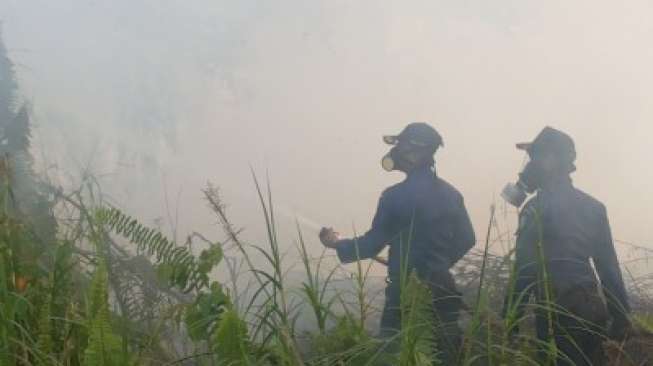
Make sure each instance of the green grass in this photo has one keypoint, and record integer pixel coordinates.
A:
(90, 298)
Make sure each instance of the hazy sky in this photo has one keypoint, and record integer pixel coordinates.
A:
(171, 94)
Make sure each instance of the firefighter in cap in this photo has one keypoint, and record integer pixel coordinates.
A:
(424, 223)
(560, 229)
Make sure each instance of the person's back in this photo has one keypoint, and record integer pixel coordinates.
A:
(427, 214)
(570, 224)
(560, 230)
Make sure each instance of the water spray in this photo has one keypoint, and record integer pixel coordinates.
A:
(313, 225)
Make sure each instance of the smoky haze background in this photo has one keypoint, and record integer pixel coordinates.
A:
(157, 97)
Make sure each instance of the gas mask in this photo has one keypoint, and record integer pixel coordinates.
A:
(388, 162)
(516, 193)
(401, 157)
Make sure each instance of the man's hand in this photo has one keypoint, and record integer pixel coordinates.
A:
(329, 237)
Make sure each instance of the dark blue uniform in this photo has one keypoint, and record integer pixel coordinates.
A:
(560, 230)
(422, 219)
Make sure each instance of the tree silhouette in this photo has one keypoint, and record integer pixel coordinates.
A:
(30, 201)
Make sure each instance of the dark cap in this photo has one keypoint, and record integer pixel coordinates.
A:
(418, 134)
(552, 141)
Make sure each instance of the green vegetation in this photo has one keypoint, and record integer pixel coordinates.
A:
(82, 283)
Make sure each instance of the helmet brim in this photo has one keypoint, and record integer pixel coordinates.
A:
(526, 146)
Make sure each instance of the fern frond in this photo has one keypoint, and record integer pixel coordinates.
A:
(45, 342)
(104, 346)
(99, 297)
(183, 269)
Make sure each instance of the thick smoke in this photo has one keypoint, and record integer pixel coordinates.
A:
(157, 97)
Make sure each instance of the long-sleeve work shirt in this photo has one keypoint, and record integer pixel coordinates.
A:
(424, 222)
(560, 230)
